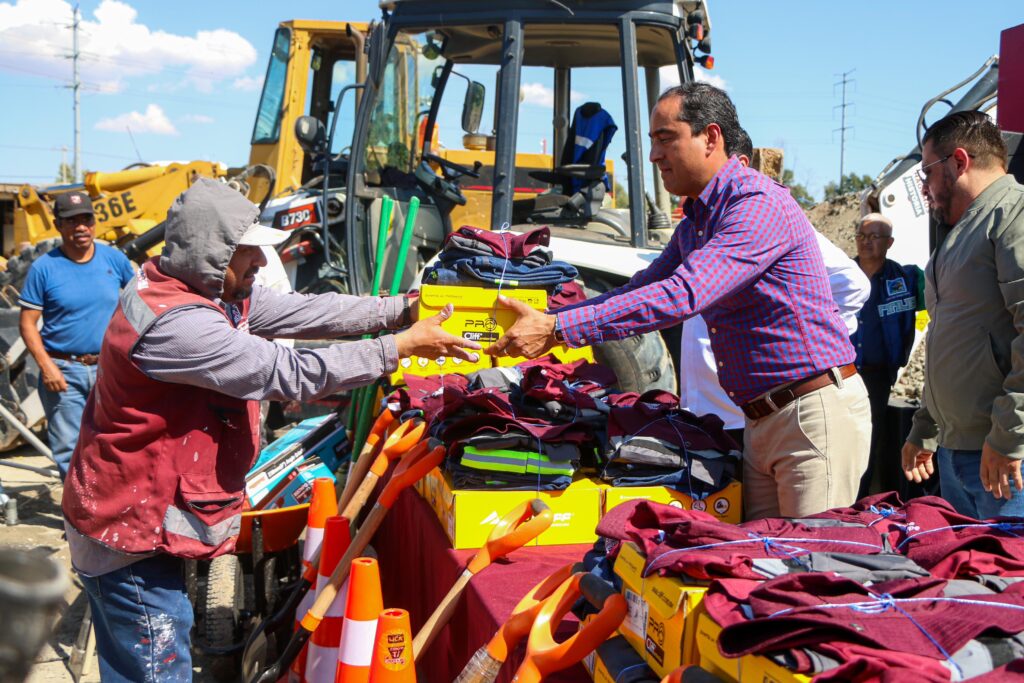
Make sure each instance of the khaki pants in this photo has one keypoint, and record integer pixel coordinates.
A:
(809, 456)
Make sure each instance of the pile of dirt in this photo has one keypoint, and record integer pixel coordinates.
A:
(837, 220)
(911, 382)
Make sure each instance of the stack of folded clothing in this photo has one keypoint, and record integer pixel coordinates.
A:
(653, 442)
(526, 427)
(483, 258)
(879, 591)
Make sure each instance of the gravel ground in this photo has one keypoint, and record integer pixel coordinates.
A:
(41, 530)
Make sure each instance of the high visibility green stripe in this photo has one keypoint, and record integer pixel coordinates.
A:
(516, 462)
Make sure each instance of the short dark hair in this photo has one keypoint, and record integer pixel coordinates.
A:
(704, 104)
(743, 147)
(971, 130)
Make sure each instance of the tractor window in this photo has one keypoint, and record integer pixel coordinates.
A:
(395, 118)
(268, 117)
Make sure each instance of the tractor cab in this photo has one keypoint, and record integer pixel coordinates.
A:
(523, 113)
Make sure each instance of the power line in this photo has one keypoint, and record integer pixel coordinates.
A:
(843, 127)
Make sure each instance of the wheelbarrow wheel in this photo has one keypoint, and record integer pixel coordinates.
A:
(225, 595)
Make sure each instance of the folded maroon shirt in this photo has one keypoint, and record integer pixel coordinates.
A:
(696, 544)
(908, 615)
(507, 244)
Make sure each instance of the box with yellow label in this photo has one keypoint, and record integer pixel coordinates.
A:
(662, 621)
(477, 317)
(726, 505)
(468, 516)
(745, 669)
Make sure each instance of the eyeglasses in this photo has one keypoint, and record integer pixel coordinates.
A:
(868, 237)
(923, 172)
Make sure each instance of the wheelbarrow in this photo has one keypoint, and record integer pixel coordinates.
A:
(243, 588)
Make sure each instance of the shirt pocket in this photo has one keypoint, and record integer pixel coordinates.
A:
(206, 502)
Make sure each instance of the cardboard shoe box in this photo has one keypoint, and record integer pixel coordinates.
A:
(477, 317)
(745, 669)
(662, 621)
(468, 516)
(726, 505)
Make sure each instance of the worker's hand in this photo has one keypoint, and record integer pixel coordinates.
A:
(53, 378)
(1000, 475)
(531, 336)
(917, 463)
(426, 339)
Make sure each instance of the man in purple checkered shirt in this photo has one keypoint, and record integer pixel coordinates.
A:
(745, 257)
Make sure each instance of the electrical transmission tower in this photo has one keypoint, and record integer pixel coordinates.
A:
(75, 86)
(842, 126)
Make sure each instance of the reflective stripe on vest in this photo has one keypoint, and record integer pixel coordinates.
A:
(183, 523)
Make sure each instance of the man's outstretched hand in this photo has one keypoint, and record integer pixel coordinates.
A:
(426, 339)
(531, 336)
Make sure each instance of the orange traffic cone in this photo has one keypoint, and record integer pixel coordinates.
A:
(364, 604)
(392, 651)
(322, 651)
(322, 504)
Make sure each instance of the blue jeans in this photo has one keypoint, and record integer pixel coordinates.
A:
(960, 484)
(142, 616)
(64, 410)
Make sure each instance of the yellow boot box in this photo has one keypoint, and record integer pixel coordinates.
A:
(726, 505)
(609, 672)
(469, 515)
(745, 669)
(662, 621)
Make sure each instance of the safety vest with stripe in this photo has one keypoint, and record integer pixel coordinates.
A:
(159, 466)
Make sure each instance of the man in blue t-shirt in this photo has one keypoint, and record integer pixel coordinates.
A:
(74, 289)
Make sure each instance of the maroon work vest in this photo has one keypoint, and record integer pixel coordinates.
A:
(158, 466)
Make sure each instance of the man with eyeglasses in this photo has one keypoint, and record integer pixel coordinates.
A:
(74, 289)
(972, 414)
(885, 332)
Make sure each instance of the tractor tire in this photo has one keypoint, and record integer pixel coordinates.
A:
(18, 266)
(223, 599)
(640, 363)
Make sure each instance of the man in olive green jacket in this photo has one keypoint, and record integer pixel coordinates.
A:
(973, 407)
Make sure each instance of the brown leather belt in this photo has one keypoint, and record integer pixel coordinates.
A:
(762, 407)
(84, 359)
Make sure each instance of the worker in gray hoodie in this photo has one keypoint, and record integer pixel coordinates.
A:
(170, 429)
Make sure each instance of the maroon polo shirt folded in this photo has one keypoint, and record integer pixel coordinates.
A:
(506, 245)
(797, 610)
(698, 545)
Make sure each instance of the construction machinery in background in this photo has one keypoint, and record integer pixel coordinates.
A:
(996, 88)
(614, 51)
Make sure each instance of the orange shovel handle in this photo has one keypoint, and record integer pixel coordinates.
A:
(524, 523)
(545, 656)
(359, 466)
(413, 467)
(518, 624)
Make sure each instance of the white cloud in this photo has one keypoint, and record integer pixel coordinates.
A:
(705, 76)
(197, 118)
(247, 83)
(542, 96)
(114, 46)
(154, 120)
(669, 76)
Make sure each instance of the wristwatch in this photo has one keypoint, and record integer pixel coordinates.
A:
(559, 337)
(406, 319)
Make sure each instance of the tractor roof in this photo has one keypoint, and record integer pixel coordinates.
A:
(473, 29)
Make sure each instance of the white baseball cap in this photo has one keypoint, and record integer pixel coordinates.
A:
(259, 235)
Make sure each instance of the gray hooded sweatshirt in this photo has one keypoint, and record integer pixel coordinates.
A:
(197, 346)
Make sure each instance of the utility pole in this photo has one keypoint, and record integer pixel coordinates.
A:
(76, 85)
(842, 126)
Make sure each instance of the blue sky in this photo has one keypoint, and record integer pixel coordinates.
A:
(184, 76)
